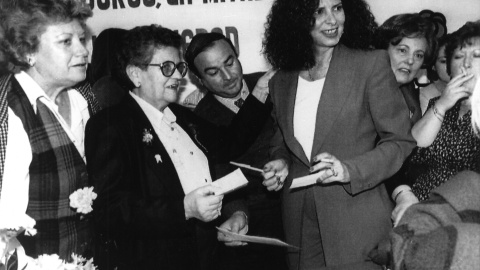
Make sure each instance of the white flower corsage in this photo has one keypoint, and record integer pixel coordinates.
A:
(18, 223)
(147, 136)
(82, 200)
(53, 262)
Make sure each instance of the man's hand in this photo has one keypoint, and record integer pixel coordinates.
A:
(203, 204)
(275, 173)
(237, 223)
(261, 90)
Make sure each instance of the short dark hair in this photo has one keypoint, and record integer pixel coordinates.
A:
(200, 43)
(407, 25)
(288, 43)
(461, 38)
(104, 53)
(138, 47)
(432, 75)
(24, 21)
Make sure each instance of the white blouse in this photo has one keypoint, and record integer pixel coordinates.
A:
(189, 161)
(305, 112)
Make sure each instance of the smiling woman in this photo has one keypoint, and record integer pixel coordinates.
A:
(45, 41)
(332, 97)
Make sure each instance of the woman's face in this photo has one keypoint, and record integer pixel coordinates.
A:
(406, 58)
(441, 65)
(61, 59)
(329, 21)
(468, 60)
(155, 88)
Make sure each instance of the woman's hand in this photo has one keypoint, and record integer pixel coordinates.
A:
(275, 173)
(333, 169)
(237, 223)
(261, 90)
(203, 204)
(453, 92)
(404, 200)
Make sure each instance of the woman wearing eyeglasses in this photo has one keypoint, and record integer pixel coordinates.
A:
(148, 160)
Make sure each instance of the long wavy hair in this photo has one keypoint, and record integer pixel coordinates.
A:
(288, 44)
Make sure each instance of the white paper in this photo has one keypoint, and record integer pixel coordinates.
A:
(255, 239)
(231, 182)
(304, 181)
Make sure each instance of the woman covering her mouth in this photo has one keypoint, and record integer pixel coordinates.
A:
(445, 134)
(148, 160)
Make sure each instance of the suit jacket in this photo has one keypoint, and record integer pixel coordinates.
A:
(211, 109)
(360, 101)
(408, 171)
(140, 207)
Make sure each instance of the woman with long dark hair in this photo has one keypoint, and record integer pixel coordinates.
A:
(338, 114)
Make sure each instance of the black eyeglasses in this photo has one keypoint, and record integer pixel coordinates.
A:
(169, 67)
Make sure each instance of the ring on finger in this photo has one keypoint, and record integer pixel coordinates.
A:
(279, 180)
(334, 173)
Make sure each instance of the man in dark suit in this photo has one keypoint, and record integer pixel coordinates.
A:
(214, 60)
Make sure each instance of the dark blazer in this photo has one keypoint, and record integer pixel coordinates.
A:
(140, 207)
(408, 171)
(209, 108)
(264, 206)
(360, 101)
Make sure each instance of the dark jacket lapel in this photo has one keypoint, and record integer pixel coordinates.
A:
(164, 169)
(286, 104)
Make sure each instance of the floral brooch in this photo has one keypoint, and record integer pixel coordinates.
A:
(82, 200)
(147, 136)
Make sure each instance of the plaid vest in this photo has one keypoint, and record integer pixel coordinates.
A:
(56, 171)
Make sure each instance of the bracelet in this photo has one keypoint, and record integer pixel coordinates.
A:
(437, 114)
(396, 196)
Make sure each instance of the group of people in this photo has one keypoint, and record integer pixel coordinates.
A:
(340, 102)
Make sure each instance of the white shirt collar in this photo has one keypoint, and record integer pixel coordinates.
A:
(230, 102)
(154, 114)
(31, 89)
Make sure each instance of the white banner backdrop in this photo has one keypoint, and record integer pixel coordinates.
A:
(243, 20)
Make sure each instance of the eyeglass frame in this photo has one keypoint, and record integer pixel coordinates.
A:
(175, 65)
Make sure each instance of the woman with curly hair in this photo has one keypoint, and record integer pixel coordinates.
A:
(340, 117)
(44, 108)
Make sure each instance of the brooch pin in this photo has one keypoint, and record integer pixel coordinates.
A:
(147, 137)
(158, 158)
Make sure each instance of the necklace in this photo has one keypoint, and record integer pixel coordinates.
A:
(310, 74)
(323, 70)
(312, 77)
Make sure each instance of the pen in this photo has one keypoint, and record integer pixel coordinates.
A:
(246, 166)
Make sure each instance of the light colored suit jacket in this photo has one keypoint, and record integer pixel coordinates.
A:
(362, 119)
